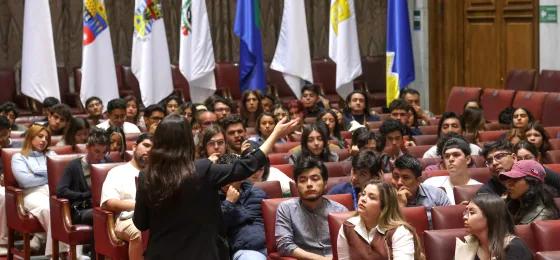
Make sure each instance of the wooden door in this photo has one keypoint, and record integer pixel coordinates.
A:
(476, 42)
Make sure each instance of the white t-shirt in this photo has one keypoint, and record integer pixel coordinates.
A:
(443, 181)
(120, 183)
(128, 128)
(432, 152)
(276, 175)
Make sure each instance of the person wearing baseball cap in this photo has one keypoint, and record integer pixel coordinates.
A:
(528, 198)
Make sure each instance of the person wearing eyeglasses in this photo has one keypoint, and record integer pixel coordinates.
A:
(213, 143)
(526, 150)
(491, 233)
(153, 114)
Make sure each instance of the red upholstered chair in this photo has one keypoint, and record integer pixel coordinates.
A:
(335, 222)
(180, 83)
(281, 89)
(552, 131)
(526, 234)
(548, 255)
(339, 169)
(428, 174)
(271, 188)
(429, 161)
(373, 73)
(324, 74)
(557, 202)
(446, 217)
(494, 101)
(547, 235)
(285, 147)
(425, 139)
(553, 156)
(418, 151)
(490, 136)
(346, 134)
(227, 79)
(130, 84)
(428, 129)
(333, 181)
(72, 99)
(554, 143)
(416, 217)
(17, 216)
(62, 228)
(374, 124)
(287, 169)
(343, 154)
(551, 107)
(533, 101)
(549, 81)
(269, 207)
(459, 96)
(440, 244)
(465, 192)
(479, 161)
(521, 79)
(279, 158)
(480, 174)
(106, 242)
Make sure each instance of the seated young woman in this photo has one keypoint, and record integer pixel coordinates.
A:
(314, 143)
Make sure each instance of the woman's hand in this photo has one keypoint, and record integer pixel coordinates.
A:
(284, 127)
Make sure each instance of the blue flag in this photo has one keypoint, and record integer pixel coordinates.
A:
(399, 49)
(251, 63)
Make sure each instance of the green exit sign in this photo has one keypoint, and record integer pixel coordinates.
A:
(548, 13)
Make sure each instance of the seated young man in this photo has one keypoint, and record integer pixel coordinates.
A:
(241, 207)
(221, 107)
(302, 230)
(412, 97)
(401, 110)
(365, 167)
(58, 119)
(119, 195)
(312, 105)
(456, 157)
(116, 109)
(94, 108)
(362, 138)
(407, 179)
(439, 147)
(357, 109)
(9, 109)
(48, 103)
(236, 134)
(393, 143)
(449, 123)
(153, 114)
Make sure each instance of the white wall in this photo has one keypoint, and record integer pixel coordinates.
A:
(549, 40)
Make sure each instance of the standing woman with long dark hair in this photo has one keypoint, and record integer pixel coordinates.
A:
(177, 197)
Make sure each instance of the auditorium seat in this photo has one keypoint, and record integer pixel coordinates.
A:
(130, 84)
(418, 151)
(548, 255)
(554, 144)
(425, 139)
(373, 75)
(549, 81)
(459, 96)
(417, 218)
(553, 131)
(547, 235)
(269, 207)
(106, 242)
(440, 244)
(62, 228)
(343, 154)
(180, 84)
(324, 75)
(285, 147)
(280, 88)
(339, 169)
(552, 156)
(428, 129)
(526, 234)
(333, 181)
(521, 79)
(555, 167)
(465, 192)
(227, 80)
(493, 101)
(533, 101)
(287, 169)
(446, 217)
(18, 219)
(335, 222)
(278, 158)
(490, 136)
(479, 161)
(374, 124)
(482, 174)
(425, 162)
(271, 188)
(551, 107)
(72, 99)
(429, 174)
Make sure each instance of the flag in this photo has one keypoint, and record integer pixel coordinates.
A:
(39, 78)
(150, 55)
(343, 45)
(292, 56)
(400, 62)
(196, 54)
(247, 27)
(98, 66)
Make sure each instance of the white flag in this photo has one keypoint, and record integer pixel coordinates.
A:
(150, 54)
(292, 56)
(39, 78)
(196, 54)
(343, 45)
(98, 66)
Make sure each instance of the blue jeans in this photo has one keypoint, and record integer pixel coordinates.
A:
(248, 255)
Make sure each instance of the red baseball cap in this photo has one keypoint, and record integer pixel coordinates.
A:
(525, 168)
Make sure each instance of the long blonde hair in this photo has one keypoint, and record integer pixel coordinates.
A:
(391, 217)
(31, 133)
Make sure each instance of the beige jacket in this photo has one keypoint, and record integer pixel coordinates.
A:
(466, 250)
